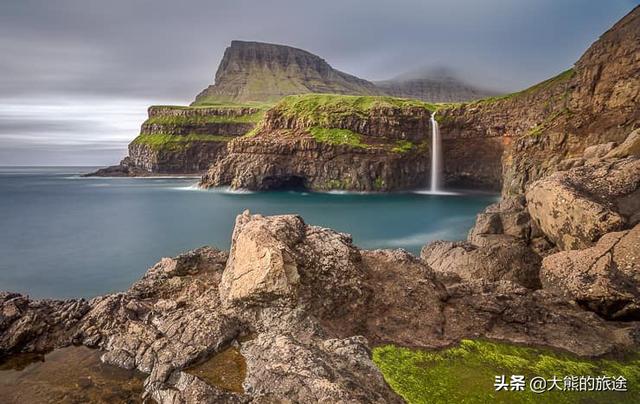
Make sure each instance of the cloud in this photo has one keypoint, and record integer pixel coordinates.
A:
(158, 50)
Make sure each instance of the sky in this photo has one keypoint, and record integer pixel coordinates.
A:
(76, 76)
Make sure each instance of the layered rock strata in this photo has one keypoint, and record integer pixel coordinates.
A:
(183, 140)
(324, 142)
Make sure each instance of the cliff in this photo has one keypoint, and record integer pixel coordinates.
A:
(184, 140)
(534, 130)
(256, 71)
(324, 142)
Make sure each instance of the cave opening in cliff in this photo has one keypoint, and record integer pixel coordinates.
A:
(284, 183)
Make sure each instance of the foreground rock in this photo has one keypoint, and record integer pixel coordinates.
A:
(575, 208)
(604, 278)
(509, 261)
(303, 305)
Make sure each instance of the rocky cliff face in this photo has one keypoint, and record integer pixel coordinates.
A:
(324, 142)
(256, 71)
(595, 102)
(184, 140)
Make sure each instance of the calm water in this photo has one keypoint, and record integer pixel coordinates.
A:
(65, 236)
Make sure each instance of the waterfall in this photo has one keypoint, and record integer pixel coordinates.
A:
(436, 154)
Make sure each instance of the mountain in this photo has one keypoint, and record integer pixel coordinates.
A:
(435, 85)
(257, 71)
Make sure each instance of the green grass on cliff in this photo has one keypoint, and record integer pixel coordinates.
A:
(204, 119)
(465, 374)
(337, 136)
(319, 109)
(165, 141)
(403, 146)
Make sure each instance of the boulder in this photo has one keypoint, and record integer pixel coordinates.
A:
(604, 278)
(575, 208)
(504, 222)
(262, 265)
(630, 147)
(598, 151)
(513, 262)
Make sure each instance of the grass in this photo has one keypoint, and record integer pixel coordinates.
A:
(465, 373)
(319, 109)
(204, 119)
(337, 136)
(403, 146)
(165, 141)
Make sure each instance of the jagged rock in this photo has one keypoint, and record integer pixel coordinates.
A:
(604, 278)
(261, 267)
(331, 371)
(308, 346)
(630, 147)
(513, 261)
(598, 151)
(574, 208)
(36, 326)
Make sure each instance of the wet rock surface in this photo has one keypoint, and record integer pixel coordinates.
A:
(68, 375)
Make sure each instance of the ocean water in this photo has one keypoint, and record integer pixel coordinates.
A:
(62, 235)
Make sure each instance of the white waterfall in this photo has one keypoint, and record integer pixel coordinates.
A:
(436, 154)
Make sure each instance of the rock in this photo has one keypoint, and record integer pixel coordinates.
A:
(330, 372)
(284, 153)
(630, 147)
(261, 267)
(604, 278)
(37, 326)
(257, 71)
(513, 262)
(598, 151)
(304, 340)
(575, 208)
(503, 221)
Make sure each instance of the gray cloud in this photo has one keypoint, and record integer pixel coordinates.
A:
(155, 51)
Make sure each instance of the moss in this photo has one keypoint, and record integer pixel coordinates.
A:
(465, 373)
(320, 109)
(337, 136)
(379, 183)
(403, 146)
(165, 141)
(336, 184)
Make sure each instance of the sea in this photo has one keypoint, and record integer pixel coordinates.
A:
(63, 235)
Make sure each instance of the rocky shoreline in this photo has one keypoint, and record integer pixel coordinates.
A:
(304, 306)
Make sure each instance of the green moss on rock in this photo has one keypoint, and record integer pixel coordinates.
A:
(465, 373)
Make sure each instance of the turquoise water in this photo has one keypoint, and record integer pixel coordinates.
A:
(66, 236)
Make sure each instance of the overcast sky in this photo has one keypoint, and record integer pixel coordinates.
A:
(76, 76)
